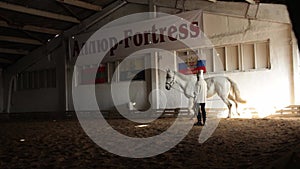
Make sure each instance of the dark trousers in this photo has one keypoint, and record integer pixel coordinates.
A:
(201, 113)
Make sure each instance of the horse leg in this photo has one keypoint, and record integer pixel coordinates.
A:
(229, 105)
(191, 107)
(236, 103)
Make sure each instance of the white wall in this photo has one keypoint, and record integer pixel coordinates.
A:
(269, 88)
(104, 92)
(265, 90)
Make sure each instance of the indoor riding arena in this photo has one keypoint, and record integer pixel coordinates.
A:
(115, 84)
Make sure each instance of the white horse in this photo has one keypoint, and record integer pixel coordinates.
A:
(224, 87)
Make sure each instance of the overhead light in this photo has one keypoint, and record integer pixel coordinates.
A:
(212, 0)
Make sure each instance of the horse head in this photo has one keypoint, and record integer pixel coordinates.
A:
(170, 79)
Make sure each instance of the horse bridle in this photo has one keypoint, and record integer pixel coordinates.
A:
(172, 82)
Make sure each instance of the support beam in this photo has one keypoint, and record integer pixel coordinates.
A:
(250, 1)
(104, 13)
(7, 61)
(81, 4)
(19, 40)
(31, 28)
(13, 51)
(66, 7)
(31, 11)
(40, 52)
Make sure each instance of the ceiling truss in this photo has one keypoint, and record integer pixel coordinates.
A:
(31, 11)
(35, 34)
(81, 4)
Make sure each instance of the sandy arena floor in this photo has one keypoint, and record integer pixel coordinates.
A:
(236, 143)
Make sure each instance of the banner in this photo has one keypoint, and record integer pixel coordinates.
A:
(101, 76)
(163, 32)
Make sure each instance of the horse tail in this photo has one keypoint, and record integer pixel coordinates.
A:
(236, 91)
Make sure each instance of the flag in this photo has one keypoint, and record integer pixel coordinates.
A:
(192, 69)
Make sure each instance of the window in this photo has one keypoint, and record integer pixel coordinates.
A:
(132, 69)
(208, 52)
(248, 56)
(262, 51)
(42, 78)
(232, 58)
(219, 59)
(256, 55)
(45, 78)
(51, 78)
(113, 71)
(87, 74)
(228, 58)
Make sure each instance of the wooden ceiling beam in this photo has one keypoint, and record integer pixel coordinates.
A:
(32, 11)
(251, 1)
(81, 4)
(7, 61)
(31, 28)
(13, 51)
(19, 40)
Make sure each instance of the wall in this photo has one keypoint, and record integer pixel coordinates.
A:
(58, 98)
(43, 99)
(103, 91)
(224, 23)
(265, 90)
(258, 86)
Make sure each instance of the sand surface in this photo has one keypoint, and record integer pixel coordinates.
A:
(236, 143)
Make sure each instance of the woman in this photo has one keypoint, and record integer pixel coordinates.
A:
(201, 93)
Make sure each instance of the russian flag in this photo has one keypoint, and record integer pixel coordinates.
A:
(185, 69)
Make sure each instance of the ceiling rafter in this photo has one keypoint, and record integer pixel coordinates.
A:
(249, 1)
(37, 12)
(82, 4)
(67, 8)
(31, 28)
(7, 61)
(20, 40)
(33, 36)
(13, 51)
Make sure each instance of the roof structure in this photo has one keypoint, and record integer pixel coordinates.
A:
(26, 25)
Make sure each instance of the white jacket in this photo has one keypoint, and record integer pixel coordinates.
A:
(201, 89)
